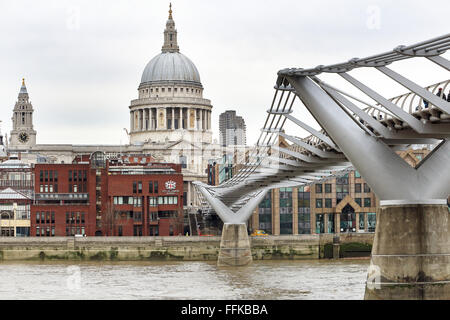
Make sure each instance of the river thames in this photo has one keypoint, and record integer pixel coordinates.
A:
(284, 280)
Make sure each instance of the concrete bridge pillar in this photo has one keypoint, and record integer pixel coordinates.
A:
(410, 253)
(411, 250)
(234, 246)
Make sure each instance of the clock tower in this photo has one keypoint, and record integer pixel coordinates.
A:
(22, 136)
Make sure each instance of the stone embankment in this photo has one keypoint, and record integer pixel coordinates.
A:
(181, 248)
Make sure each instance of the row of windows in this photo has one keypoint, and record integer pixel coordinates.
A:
(152, 187)
(71, 231)
(328, 203)
(358, 188)
(367, 202)
(152, 201)
(45, 231)
(77, 188)
(163, 200)
(48, 175)
(135, 201)
(153, 216)
(170, 90)
(77, 175)
(168, 214)
(48, 188)
(45, 217)
(304, 223)
(327, 188)
(75, 217)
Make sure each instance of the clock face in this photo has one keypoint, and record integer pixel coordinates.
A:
(23, 137)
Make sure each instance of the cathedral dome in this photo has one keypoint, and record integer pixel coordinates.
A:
(170, 67)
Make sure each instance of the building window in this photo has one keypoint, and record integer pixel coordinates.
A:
(265, 213)
(134, 187)
(327, 187)
(318, 188)
(286, 211)
(366, 188)
(361, 221)
(156, 187)
(358, 201)
(304, 210)
(328, 203)
(330, 223)
(150, 187)
(183, 161)
(318, 203)
(139, 186)
(320, 225)
(371, 221)
(341, 188)
(152, 201)
(367, 202)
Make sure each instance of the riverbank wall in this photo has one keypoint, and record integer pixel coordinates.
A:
(181, 248)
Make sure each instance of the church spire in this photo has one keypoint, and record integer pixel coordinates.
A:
(170, 35)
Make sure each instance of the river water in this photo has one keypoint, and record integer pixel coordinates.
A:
(318, 279)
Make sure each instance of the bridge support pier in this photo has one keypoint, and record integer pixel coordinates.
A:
(234, 246)
(410, 253)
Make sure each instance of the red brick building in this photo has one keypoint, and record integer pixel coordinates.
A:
(130, 196)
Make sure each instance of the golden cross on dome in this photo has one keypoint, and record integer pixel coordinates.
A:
(170, 10)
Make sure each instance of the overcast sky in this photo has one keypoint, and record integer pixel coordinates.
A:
(83, 60)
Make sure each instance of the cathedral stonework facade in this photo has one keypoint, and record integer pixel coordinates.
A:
(170, 104)
(169, 121)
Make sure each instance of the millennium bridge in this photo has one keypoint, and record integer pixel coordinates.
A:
(411, 249)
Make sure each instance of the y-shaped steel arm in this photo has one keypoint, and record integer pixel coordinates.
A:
(389, 175)
(225, 213)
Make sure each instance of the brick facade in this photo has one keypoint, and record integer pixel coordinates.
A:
(115, 199)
